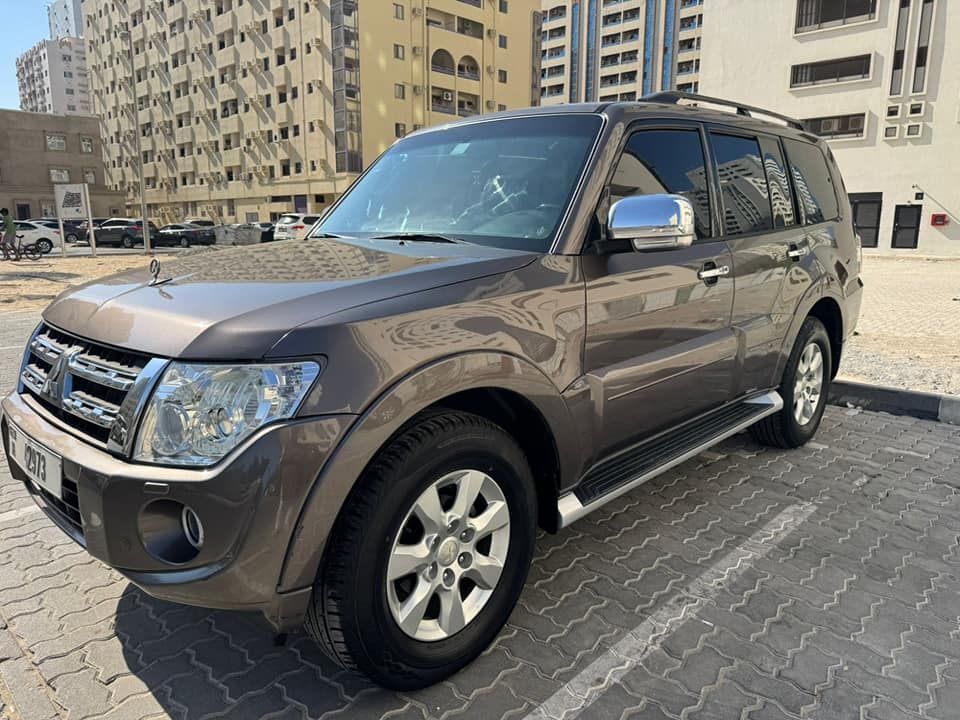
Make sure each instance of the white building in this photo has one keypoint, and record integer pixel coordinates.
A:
(879, 79)
(52, 76)
(618, 49)
(66, 20)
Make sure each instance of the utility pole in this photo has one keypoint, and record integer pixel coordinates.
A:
(136, 122)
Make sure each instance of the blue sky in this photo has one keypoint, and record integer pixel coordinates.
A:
(24, 24)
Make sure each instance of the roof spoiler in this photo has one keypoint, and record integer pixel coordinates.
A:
(673, 97)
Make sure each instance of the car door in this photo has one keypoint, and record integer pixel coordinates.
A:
(659, 348)
(28, 231)
(109, 233)
(762, 230)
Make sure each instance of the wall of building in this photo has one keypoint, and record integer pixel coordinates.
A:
(617, 49)
(52, 77)
(897, 167)
(37, 148)
(243, 111)
(65, 19)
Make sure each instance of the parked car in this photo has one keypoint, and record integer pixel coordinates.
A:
(294, 226)
(69, 226)
(121, 232)
(511, 322)
(266, 231)
(201, 222)
(45, 237)
(184, 235)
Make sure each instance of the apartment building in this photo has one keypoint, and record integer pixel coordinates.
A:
(65, 19)
(618, 49)
(52, 77)
(39, 150)
(241, 111)
(878, 79)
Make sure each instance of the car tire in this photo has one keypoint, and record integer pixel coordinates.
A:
(356, 610)
(44, 246)
(72, 238)
(184, 242)
(804, 389)
(127, 241)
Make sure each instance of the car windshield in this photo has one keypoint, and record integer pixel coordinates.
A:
(504, 182)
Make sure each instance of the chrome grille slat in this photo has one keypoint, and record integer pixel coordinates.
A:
(82, 383)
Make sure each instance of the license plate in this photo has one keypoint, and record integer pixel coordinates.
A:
(43, 467)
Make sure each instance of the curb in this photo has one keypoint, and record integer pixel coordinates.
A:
(926, 406)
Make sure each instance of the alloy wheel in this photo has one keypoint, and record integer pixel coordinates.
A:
(448, 555)
(808, 385)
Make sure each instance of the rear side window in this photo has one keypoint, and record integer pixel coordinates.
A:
(811, 178)
(288, 219)
(743, 184)
(781, 201)
(665, 161)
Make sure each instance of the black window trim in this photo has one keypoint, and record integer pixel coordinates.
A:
(636, 126)
(747, 135)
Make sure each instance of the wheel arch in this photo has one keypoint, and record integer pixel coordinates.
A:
(500, 387)
(827, 310)
(820, 301)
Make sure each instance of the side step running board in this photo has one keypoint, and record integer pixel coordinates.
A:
(623, 472)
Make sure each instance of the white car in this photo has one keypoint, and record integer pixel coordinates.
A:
(43, 234)
(294, 226)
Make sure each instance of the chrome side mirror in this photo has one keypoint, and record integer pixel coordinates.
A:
(652, 222)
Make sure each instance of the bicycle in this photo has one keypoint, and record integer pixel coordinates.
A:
(30, 251)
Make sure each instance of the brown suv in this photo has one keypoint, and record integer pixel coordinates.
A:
(504, 324)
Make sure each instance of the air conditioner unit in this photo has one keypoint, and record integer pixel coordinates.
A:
(829, 125)
(491, 33)
(491, 69)
(418, 89)
(447, 96)
(491, 105)
(418, 50)
(417, 11)
(250, 27)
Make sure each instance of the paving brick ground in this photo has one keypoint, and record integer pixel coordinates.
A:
(748, 583)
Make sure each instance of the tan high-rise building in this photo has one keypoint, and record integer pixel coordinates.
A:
(52, 77)
(244, 110)
(618, 49)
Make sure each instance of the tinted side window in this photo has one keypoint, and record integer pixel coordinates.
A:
(743, 184)
(781, 201)
(811, 178)
(665, 161)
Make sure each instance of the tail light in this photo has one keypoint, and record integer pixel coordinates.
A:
(298, 227)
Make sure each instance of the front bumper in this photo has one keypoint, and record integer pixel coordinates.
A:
(249, 505)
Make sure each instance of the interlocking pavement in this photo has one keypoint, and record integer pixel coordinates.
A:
(747, 583)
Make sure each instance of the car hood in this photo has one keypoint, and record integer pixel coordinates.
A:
(236, 303)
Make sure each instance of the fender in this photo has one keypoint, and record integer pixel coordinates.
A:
(385, 416)
(825, 286)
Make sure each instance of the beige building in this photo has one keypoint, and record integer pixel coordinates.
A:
(241, 111)
(38, 150)
(618, 49)
(52, 77)
(878, 79)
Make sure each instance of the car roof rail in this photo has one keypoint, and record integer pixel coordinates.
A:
(674, 97)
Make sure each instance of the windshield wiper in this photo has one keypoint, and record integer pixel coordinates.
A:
(420, 237)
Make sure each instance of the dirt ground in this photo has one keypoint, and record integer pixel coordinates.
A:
(29, 285)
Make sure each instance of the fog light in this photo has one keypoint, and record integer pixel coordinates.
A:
(192, 527)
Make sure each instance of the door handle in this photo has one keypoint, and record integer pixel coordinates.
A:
(795, 253)
(714, 272)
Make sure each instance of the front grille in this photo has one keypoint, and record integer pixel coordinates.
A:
(81, 383)
(65, 510)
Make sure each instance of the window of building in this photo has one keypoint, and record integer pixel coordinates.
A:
(817, 14)
(398, 51)
(400, 129)
(57, 142)
(86, 145)
(839, 126)
(502, 41)
(923, 47)
(285, 168)
(398, 11)
(297, 168)
(781, 199)
(665, 161)
(504, 6)
(830, 71)
(502, 75)
(743, 185)
(296, 131)
(59, 175)
(501, 107)
(900, 48)
(399, 91)
(865, 209)
(812, 181)
(90, 176)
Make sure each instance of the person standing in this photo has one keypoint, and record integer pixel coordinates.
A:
(8, 235)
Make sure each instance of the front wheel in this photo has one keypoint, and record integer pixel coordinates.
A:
(804, 389)
(184, 242)
(44, 246)
(127, 241)
(72, 238)
(429, 554)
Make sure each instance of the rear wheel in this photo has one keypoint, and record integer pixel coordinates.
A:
(30, 252)
(184, 241)
(804, 389)
(44, 246)
(72, 238)
(429, 555)
(127, 241)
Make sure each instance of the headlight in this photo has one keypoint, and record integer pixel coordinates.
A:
(199, 413)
